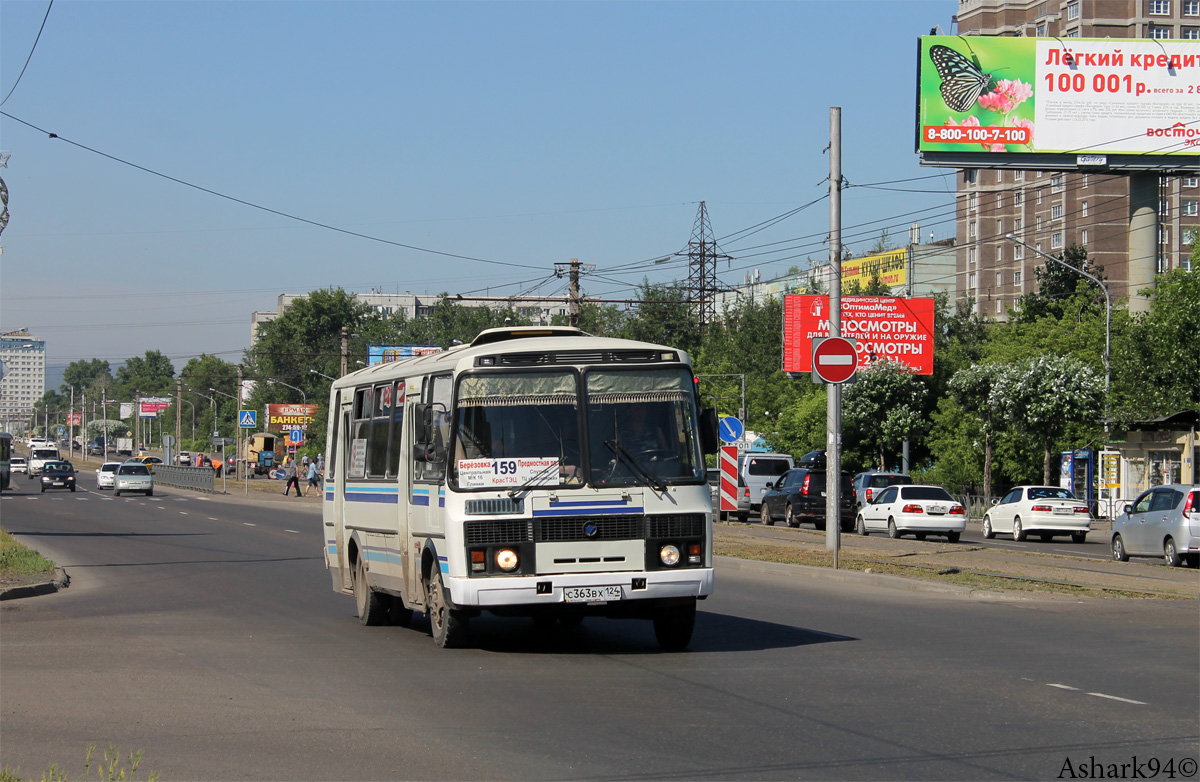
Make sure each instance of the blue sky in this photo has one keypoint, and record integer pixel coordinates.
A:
(521, 133)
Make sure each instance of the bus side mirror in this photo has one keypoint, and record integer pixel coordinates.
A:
(709, 441)
(429, 445)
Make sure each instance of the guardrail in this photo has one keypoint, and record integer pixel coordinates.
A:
(200, 478)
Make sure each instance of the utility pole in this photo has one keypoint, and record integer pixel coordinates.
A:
(574, 300)
(833, 417)
(345, 353)
(237, 454)
(178, 416)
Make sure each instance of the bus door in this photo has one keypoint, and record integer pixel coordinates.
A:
(427, 492)
(335, 491)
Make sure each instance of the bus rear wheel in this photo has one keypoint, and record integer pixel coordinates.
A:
(673, 625)
(447, 625)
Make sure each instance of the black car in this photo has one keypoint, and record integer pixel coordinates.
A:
(58, 475)
(799, 496)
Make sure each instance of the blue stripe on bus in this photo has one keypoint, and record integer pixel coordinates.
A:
(443, 564)
(588, 503)
(390, 499)
(591, 512)
(387, 556)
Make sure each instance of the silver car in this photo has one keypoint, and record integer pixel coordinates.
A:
(132, 476)
(1162, 522)
(106, 475)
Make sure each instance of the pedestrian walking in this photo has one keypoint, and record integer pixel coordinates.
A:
(304, 463)
(312, 478)
(289, 474)
(320, 464)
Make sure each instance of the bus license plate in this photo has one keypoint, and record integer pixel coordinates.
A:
(591, 594)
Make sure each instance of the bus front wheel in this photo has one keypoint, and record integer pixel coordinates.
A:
(447, 625)
(372, 606)
(673, 625)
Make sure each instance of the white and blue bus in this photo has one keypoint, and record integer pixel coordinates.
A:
(6, 445)
(537, 472)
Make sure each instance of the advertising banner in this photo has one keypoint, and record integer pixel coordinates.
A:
(382, 354)
(75, 419)
(284, 418)
(884, 328)
(127, 409)
(1092, 96)
(153, 405)
(891, 268)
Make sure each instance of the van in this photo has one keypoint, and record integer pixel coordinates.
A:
(755, 471)
(39, 455)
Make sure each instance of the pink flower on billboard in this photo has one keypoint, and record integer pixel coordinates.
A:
(1009, 94)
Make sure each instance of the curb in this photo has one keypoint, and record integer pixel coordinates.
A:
(60, 581)
(882, 580)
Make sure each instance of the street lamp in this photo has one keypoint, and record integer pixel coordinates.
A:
(303, 396)
(322, 374)
(193, 406)
(1107, 318)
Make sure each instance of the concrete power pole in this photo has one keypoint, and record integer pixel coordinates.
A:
(345, 354)
(178, 415)
(833, 421)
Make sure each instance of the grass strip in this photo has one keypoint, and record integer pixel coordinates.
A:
(18, 560)
(934, 573)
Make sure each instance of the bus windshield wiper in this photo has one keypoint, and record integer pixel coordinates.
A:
(535, 481)
(638, 470)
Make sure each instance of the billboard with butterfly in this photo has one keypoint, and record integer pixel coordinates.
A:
(1017, 100)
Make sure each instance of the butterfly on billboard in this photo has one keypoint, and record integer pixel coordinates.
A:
(963, 81)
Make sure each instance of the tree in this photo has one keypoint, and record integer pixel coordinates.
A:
(971, 390)
(884, 407)
(152, 374)
(1056, 283)
(664, 317)
(83, 374)
(1156, 359)
(1044, 396)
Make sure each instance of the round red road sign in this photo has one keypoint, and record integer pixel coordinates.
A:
(835, 360)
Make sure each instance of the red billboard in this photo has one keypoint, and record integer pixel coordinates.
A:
(884, 328)
(281, 418)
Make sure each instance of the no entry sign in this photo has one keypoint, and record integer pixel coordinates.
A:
(834, 360)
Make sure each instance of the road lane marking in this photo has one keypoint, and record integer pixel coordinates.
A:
(1115, 698)
(248, 524)
(294, 532)
(213, 518)
(182, 513)
(1064, 687)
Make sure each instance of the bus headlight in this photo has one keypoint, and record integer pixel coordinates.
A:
(506, 560)
(669, 555)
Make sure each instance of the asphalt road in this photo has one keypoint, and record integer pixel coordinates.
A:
(205, 632)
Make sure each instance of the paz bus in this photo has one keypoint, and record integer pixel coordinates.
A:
(6, 444)
(536, 472)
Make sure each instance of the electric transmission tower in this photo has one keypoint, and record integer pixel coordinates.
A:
(703, 255)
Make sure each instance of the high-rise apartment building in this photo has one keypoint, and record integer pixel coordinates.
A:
(1054, 210)
(24, 381)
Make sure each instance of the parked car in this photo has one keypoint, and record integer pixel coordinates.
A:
(105, 475)
(868, 484)
(184, 457)
(918, 510)
(95, 449)
(1161, 522)
(799, 496)
(1044, 511)
(58, 475)
(755, 471)
(18, 464)
(133, 476)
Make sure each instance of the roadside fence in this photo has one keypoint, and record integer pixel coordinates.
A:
(201, 478)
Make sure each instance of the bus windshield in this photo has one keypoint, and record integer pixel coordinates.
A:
(523, 429)
(640, 424)
(517, 429)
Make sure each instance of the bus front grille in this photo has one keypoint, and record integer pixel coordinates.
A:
(484, 533)
(568, 528)
(679, 525)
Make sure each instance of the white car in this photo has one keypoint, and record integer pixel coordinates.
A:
(184, 458)
(18, 464)
(917, 510)
(106, 475)
(133, 476)
(1044, 511)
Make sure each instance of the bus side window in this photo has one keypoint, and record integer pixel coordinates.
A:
(360, 431)
(436, 394)
(396, 454)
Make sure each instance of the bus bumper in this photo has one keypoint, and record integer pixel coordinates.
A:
(553, 589)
